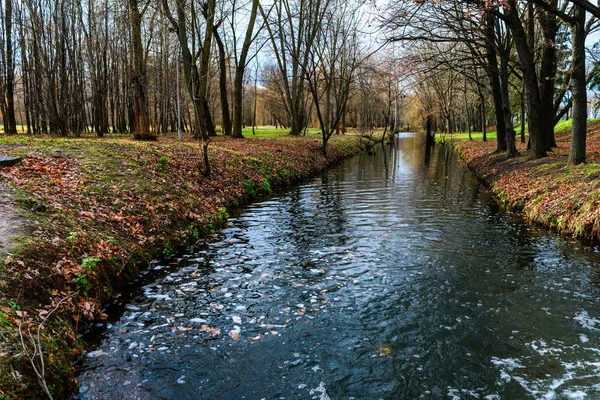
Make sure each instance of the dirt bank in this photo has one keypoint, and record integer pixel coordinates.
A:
(549, 192)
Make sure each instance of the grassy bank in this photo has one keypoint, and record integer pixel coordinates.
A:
(549, 192)
(98, 210)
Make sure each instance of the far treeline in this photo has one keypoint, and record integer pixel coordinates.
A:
(527, 59)
(74, 67)
(77, 67)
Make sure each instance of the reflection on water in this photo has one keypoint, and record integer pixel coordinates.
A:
(393, 276)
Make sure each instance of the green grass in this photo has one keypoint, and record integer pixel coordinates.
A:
(20, 128)
(260, 132)
(465, 136)
(266, 132)
(567, 124)
(559, 127)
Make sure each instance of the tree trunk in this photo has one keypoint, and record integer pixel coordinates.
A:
(534, 103)
(10, 124)
(207, 125)
(578, 88)
(141, 128)
(238, 83)
(493, 74)
(506, 111)
(226, 116)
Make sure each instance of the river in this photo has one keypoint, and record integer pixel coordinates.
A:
(392, 276)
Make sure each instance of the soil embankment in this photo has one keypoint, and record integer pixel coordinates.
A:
(98, 211)
(549, 192)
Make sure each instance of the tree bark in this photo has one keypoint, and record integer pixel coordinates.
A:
(141, 128)
(534, 103)
(225, 115)
(10, 124)
(496, 88)
(578, 88)
(506, 111)
(206, 122)
(238, 83)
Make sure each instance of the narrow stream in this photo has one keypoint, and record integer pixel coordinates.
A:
(393, 276)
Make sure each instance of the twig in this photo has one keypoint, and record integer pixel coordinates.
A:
(40, 370)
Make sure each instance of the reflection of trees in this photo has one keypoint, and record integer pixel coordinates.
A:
(314, 217)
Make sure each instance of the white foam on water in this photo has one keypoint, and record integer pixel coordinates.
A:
(479, 393)
(586, 321)
(542, 348)
(567, 385)
(320, 389)
(455, 394)
(575, 395)
(510, 363)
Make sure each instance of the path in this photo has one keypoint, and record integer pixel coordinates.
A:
(10, 222)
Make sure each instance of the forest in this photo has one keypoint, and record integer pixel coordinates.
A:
(138, 67)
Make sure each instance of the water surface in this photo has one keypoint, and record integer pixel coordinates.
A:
(393, 276)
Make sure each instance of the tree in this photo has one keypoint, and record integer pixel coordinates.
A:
(240, 68)
(196, 78)
(330, 70)
(578, 87)
(458, 40)
(141, 127)
(226, 124)
(10, 124)
(292, 30)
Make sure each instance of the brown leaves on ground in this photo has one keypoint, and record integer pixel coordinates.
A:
(565, 198)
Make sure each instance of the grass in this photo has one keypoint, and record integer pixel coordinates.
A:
(561, 126)
(271, 132)
(465, 136)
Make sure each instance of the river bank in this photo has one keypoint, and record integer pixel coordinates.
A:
(96, 211)
(548, 191)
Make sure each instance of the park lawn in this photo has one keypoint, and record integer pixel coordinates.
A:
(271, 132)
(445, 137)
(559, 127)
(98, 210)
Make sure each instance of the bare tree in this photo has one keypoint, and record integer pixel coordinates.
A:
(293, 26)
(141, 126)
(10, 124)
(333, 60)
(196, 77)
